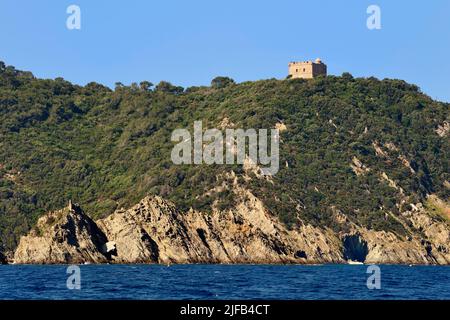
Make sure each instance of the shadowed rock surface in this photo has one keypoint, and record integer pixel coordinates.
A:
(63, 236)
(2, 259)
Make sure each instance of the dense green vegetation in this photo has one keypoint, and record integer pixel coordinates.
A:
(106, 149)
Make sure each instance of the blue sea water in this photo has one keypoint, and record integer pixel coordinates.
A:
(224, 282)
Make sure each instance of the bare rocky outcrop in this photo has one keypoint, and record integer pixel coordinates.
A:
(443, 129)
(427, 243)
(389, 248)
(63, 236)
(358, 167)
(155, 231)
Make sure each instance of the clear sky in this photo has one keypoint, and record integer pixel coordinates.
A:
(190, 42)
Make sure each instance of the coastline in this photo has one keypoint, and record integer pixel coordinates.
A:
(230, 264)
(155, 232)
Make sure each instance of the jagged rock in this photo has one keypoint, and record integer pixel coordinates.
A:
(381, 247)
(358, 167)
(443, 129)
(155, 231)
(63, 236)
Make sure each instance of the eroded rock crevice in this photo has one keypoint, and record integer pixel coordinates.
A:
(354, 248)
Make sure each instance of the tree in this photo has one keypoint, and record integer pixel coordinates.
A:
(92, 86)
(165, 86)
(145, 85)
(134, 86)
(221, 82)
(118, 85)
(347, 76)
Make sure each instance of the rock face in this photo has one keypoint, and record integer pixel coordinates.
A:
(64, 236)
(2, 259)
(154, 231)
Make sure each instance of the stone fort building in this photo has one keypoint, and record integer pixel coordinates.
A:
(307, 69)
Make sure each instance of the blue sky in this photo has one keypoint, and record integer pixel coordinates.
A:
(190, 42)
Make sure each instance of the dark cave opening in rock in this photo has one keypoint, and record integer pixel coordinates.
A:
(355, 248)
(300, 254)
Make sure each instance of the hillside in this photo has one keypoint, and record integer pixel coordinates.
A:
(363, 149)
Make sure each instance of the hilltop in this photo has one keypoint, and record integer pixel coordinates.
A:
(354, 153)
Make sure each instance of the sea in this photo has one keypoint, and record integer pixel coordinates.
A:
(224, 282)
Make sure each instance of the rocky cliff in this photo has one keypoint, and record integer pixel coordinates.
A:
(155, 231)
(63, 236)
